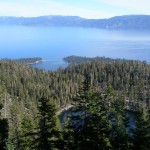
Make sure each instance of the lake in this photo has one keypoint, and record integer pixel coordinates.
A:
(54, 43)
(65, 114)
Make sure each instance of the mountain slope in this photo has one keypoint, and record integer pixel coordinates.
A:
(118, 22)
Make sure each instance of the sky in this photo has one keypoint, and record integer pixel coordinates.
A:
(84, 8)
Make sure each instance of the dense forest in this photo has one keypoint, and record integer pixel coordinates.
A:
(26, 60)
(79, 60)
(101, 92)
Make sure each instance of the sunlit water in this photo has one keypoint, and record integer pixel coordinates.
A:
(54, 43)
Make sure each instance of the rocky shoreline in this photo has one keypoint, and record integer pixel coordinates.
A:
(36, 62)
(64, 109)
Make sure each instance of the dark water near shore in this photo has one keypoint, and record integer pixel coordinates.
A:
(54, 43)
(63, 116)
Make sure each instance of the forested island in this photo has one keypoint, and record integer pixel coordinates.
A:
(79, 60)
(101, 91)
(28, 61)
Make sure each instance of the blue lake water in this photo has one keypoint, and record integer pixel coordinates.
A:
(54, 43)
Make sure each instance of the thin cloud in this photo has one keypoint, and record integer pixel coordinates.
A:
(45, 7)
(29, 8)
(133, 6)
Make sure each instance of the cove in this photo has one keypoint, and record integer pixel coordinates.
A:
(65, 114)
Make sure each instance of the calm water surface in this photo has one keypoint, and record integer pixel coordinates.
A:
(65, 114)
(54, 43)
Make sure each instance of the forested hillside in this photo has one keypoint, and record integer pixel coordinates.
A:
(25, 92)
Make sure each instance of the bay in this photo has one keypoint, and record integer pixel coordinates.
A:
(54, 43)
(68, 113)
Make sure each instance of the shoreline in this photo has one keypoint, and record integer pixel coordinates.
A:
(36, 62)
(64, 109)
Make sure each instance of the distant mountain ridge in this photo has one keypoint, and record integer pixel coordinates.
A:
(118, 22)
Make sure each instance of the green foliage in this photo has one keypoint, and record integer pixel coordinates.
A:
(141, 132)
(47, 133)
(3, 133)
(98, 121)
(80, 60)
(107, 88)
(27, 127)
(9, 145)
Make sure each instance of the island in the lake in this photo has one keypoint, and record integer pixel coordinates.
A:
(28, 61)
(79, 59)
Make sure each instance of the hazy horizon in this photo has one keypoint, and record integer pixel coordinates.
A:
(89, 9)
(73, 16)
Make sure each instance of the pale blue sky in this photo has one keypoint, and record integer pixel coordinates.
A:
(82, 8)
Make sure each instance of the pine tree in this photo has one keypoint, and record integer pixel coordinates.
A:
(47, 135)
(141, 132)
(26, 129)
(3, 131)
(78, 125)
(99, 124)
(119, 132)
(89, 125)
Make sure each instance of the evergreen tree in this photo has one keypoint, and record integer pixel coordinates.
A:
(14, 122)
(119, 133)
(89, 124)
(78, 125)
(99, 124)
(3, 131)
(26, 138)
(47, 135)
(141, 132)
